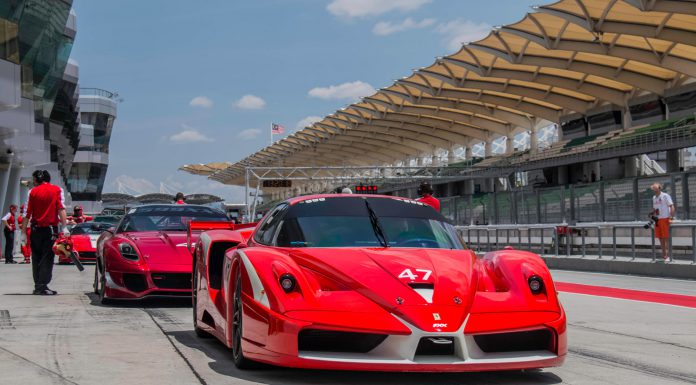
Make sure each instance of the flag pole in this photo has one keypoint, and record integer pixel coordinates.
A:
(271, 134)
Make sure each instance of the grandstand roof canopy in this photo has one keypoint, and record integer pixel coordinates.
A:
(566, 57)
(125, 199)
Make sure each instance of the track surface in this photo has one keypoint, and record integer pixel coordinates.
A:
(71, 339)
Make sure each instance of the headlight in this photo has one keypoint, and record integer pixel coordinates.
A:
(287, 282)
(128, 251)
(536, 284)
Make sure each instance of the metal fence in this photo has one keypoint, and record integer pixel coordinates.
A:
(603, 239)
(604, 201)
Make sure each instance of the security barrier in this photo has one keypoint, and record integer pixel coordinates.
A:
(621, 200)
(604, 239)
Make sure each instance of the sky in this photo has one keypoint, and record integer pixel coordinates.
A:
(202, 81)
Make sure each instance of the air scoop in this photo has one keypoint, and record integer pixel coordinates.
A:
(424, 289)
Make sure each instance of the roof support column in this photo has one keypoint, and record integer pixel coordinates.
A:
(627, 120)
(451, 157)
(488, 147)
(533, 140)
(559, 131)
(509, 144)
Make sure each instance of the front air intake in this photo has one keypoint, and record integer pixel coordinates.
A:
(172, 280)
(515, 342)
(435, 346)
(315, 340)
(135, 282)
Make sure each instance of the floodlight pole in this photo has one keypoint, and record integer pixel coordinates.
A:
(246, 191)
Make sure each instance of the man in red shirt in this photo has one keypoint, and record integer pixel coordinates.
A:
(8, 227)
(179, 199)
(78, 216)
(426, 192)
(44, 209)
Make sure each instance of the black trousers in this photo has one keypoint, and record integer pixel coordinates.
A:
(9, 245)
(42, 256)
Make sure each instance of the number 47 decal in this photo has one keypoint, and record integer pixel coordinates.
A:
(410, 275)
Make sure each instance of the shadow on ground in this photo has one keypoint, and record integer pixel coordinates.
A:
(222, 363)
(141, 303)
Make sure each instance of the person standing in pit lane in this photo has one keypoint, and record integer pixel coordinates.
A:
(179, 199)
(9, 227)
(44, 209)
(663, 210)
(425, 190)
(25, 249)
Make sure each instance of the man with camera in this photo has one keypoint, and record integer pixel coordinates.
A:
(662, 214)
(44, 209)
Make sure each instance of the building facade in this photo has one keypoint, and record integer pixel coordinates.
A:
(39, 116)
(88, 171)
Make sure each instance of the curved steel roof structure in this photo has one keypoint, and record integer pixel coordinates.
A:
(567, 57)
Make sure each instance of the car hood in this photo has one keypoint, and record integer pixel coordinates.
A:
(427, 287)
(85, 242)
(162, 248)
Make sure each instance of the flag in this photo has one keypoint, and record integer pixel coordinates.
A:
(277, 129)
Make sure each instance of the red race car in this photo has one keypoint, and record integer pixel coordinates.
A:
(147, 253)
(84, 240)
(365, 282)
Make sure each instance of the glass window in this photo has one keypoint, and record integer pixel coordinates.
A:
(650, 110)
(685, 101)
(9, 49)
(168, 218)
(267, 228)
(346, 222)
(84, 229)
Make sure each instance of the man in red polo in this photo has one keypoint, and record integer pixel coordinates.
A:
(44, 210)
(425, 190)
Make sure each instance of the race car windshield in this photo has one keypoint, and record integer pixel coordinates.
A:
(87, 229)
(347, 222)
(167, 218)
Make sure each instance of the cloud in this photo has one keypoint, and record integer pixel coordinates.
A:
(189, 135)
(250, 102)
(201, 101)
(350, 91)
(308, 121)
(384, 28)
(249, 134)
(362, 8)
(461, 31)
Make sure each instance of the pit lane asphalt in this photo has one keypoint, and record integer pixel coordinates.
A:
(71, 339)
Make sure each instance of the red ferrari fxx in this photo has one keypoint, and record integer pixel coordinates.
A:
(355, 282)
(147, 253)
(84, 241)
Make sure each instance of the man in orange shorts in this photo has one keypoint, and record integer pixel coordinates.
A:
(663, 210)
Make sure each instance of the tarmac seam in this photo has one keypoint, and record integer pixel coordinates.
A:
(626, 364)
(39, 366)
(631, 336)
(198, 376)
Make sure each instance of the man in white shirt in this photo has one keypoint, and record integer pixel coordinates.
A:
(9, 225)
(663, 209)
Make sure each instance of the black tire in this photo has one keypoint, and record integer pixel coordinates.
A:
(102, 290)
(240, 361)
(200, 333)
(95, 284)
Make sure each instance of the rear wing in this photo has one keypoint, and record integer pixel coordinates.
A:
(213, 225)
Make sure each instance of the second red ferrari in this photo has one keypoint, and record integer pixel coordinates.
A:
(147, 253)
